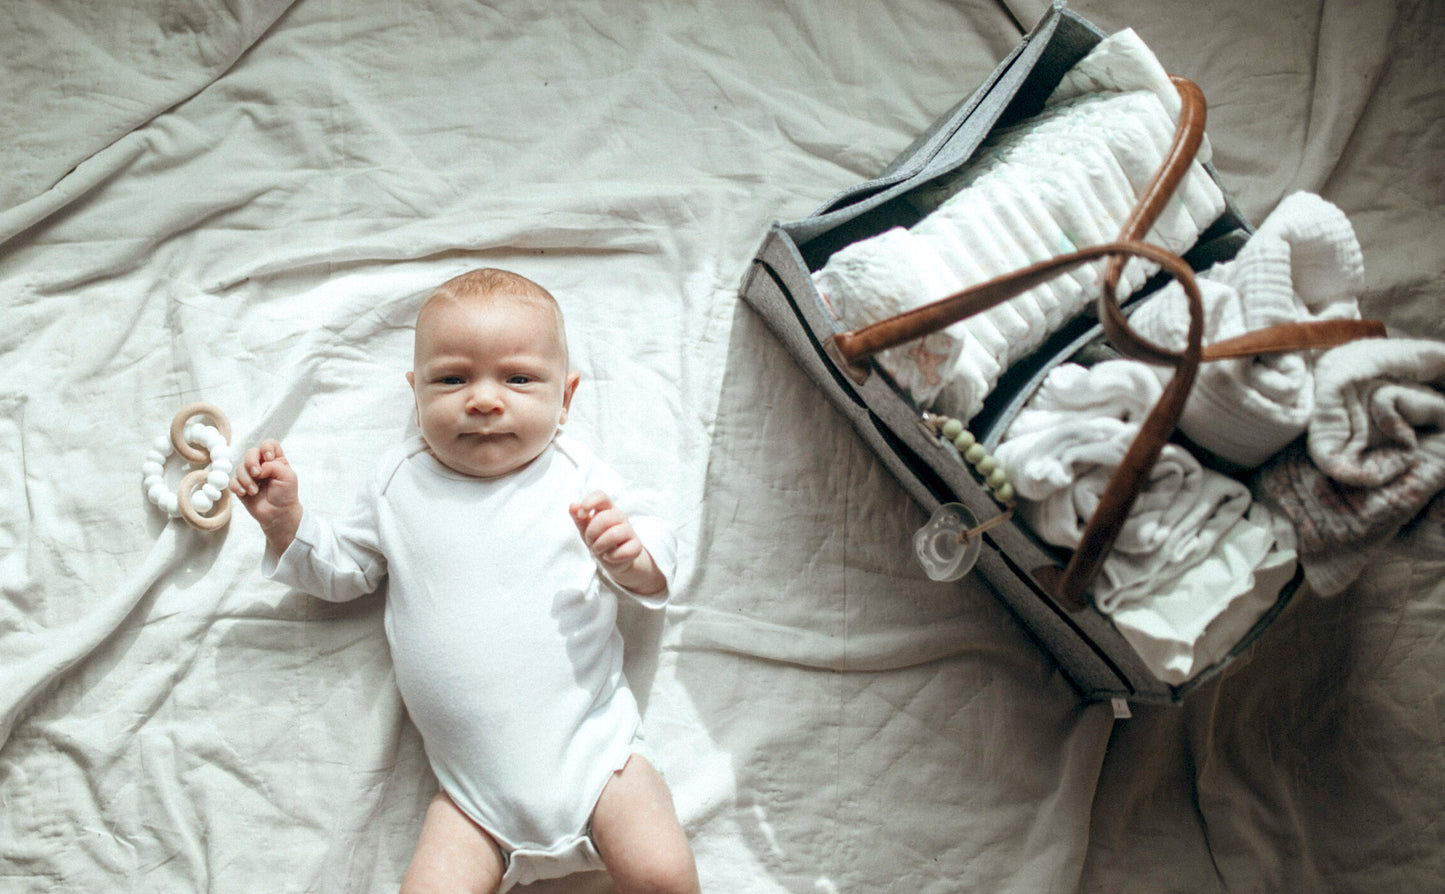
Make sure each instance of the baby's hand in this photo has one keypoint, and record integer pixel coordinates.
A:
(609, 535)
(267, 486)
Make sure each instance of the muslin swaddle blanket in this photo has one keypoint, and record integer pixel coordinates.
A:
(1304, 263)
(1373, 459)
(1066, 178)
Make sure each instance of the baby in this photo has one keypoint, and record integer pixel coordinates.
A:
(495, 530)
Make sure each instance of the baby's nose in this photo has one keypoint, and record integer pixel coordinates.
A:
(484, 397)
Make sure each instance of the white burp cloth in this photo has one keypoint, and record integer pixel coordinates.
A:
(1204, 613)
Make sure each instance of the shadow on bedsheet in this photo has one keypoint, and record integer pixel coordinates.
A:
(1312, 764)
(890, 733)
(885, 731)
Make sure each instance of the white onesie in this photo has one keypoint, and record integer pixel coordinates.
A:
(505, 642)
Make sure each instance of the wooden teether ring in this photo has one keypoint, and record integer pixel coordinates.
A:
(187, 450)
(214, 451)
(218, 517)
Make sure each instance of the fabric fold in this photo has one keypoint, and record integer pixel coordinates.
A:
(1063, 447)
(1373, 459)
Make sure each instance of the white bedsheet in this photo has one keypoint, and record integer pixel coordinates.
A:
(244, 203)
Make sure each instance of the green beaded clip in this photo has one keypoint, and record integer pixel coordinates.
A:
(954, 431)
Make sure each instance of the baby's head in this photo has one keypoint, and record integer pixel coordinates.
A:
(490, 372)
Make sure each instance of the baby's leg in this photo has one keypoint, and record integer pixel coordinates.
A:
(452, 854)
(638, 836)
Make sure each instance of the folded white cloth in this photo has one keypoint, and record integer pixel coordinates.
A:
(1066, 178)
(1204, 613)
(1304, 263)
(1062, 448)
(1375, 458)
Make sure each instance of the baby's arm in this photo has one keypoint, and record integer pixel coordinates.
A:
(266, 486)
(609, 535)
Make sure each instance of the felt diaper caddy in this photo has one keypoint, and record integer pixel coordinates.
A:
(807, 273)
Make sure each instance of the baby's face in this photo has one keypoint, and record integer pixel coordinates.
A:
(491, 383)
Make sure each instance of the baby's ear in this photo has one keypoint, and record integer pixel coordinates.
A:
(411, 380)
(568, 387)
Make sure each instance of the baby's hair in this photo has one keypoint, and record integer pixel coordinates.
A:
(489, 283)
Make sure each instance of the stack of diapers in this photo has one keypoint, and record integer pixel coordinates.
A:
(1065, 179)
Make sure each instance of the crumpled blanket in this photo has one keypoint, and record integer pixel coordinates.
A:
(1303, 263)
(1207, 610)
(1060, 451)
(1067, 178)
(1194, 565)
(1373, 459)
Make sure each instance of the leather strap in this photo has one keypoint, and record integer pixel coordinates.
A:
(852, 349)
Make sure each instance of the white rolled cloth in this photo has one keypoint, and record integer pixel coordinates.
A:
(1303, 263)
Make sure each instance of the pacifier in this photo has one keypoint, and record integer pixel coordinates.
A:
(948, 545)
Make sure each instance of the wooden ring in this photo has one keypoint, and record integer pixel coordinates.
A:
(222, 512)
(188, 450)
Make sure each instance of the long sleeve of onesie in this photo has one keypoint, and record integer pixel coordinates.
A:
(336, 560)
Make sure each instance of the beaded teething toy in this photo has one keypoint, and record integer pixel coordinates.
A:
(202, 489)
(948, 545)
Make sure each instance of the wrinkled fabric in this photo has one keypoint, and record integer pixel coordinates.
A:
(245, 203)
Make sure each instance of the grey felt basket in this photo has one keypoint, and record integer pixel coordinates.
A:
(1021, 569)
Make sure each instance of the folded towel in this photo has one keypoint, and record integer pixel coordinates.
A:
(1303, 263)
(1380, 411)
(1373, 460)
(1062, 448)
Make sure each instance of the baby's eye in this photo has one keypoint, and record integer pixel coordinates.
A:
(519, 379)
(450, 380)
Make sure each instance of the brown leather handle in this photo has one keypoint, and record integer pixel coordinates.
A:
(855, 347)
(852, 349)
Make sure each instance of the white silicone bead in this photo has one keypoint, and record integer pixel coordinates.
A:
(201, 503)
(219, 480)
